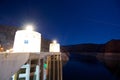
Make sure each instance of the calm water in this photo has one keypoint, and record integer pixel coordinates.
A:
(81, 67)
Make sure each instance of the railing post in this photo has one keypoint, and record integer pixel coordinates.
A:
(54, 70)
(41, 69)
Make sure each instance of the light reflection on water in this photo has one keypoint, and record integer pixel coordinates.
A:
(86, 67)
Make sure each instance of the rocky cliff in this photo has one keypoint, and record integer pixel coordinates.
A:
(85, 48)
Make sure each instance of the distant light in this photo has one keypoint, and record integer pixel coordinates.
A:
(29, 27)
(9, 50)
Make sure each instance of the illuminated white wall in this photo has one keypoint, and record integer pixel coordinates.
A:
(27, 41)
(54, 47)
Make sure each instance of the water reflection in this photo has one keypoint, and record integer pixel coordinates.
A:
(86, 67)
(111, 61)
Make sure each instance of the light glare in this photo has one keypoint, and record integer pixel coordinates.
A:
(29, 27)
(54, 41)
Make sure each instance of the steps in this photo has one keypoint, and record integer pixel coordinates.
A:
(29, 71)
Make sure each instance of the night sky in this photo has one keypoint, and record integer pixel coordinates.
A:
(68, 21)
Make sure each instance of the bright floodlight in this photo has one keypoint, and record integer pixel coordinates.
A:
(54, 41)
(29, 27)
